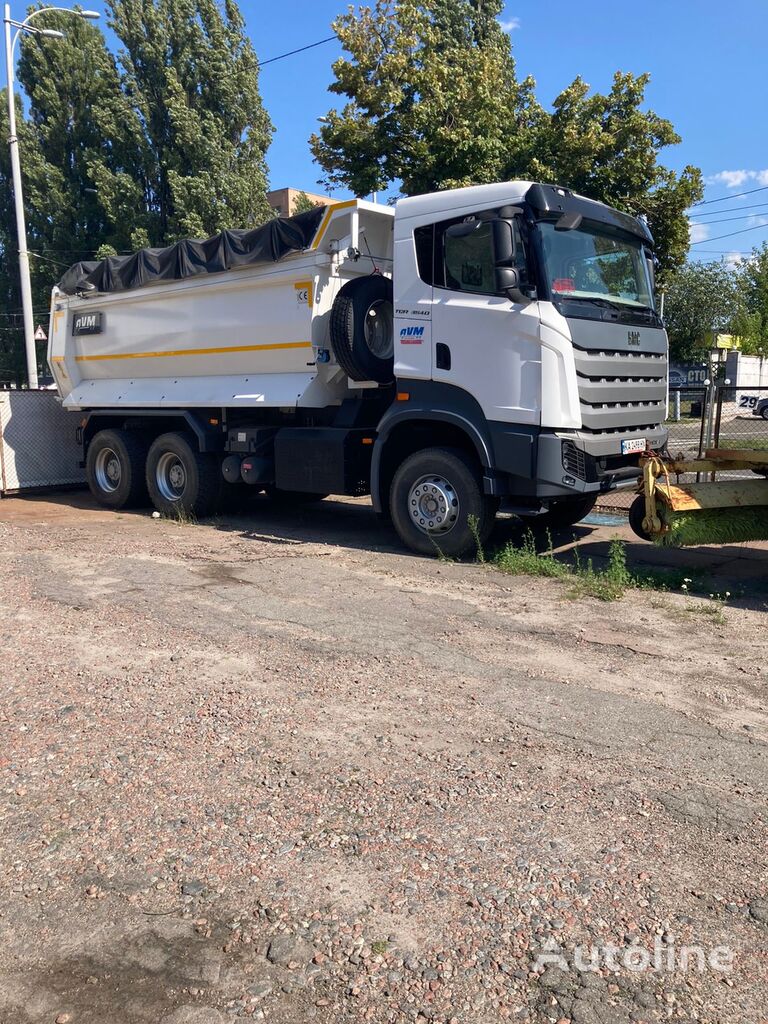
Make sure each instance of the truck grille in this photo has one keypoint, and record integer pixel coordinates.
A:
(620, 391)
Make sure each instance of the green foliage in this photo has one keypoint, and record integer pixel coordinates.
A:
(303, 204)
(701, 299)
(608, 584)
(192, 76)
(433, 98)
(167, 140)
(525, 560)
(753, 281)
(434, 102)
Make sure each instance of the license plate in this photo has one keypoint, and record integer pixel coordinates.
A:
(636, 444)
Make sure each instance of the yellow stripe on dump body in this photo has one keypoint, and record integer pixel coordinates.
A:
(327, 218)
(197, 351)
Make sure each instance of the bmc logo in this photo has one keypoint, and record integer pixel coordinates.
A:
(411, 335)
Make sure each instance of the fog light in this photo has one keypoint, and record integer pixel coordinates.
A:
(569, 481)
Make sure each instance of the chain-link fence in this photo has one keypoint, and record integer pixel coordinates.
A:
(713, 416)
(38, 446)
(686, 422)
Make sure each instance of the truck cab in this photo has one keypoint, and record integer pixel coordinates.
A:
(525, 314)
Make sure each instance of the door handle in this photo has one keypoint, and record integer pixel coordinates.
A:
(442, 356)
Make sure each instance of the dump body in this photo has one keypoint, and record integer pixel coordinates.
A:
(252, 336)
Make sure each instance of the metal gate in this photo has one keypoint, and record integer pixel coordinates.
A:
(38, 447)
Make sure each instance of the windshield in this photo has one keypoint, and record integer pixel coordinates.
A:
(586, 263)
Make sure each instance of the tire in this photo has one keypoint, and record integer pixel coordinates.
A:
(114, 468)
(362, 329)
(180, 479)
(764, 412)
(563, 512)
(636, 516)
(448, 480)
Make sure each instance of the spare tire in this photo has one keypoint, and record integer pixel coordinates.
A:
(363, 330)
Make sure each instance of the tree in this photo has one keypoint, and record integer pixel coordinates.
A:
(702, 299)
(434, 102)
(434, 99)
(302, 203)
(752, 275)
(606, 147)
(168, 141)
(192, 77)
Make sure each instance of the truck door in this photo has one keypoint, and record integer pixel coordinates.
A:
(481, 340)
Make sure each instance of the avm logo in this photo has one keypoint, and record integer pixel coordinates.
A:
(411, 335)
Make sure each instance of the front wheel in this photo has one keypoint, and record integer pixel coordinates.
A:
(437, 503)
(182, 480)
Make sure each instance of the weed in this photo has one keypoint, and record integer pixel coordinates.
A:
(527, 561)
(181, 516)
(607, 584)
(474, 529)
(379, 947)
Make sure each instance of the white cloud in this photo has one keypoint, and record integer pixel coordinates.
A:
(757, 221)
(699, 232)
(733, 259)
(734, 179)
(511, 24)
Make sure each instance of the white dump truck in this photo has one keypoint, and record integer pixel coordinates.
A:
(486, 348)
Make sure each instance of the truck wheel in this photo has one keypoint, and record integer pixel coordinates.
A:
(564, 512)
(434, 492)
(114, 468)
(180, 479)
(362, 329)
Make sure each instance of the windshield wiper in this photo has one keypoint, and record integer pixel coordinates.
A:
(624, 309)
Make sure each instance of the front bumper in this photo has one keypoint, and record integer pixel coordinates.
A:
(571, 463)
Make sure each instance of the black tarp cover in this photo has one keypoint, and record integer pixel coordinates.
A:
(233, 248)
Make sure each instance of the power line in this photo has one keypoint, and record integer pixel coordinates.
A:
(727, 220)
(291, 53)
(731, 234)
(731, 209)
(735, 195)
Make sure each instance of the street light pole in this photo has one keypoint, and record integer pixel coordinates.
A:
(21, 225)
(13, 142)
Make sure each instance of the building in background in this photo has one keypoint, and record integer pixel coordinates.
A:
(283, 200)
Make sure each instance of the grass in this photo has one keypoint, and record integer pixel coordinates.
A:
(181, 516)
(604, 584)
(757, 444)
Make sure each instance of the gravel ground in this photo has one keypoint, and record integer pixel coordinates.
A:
(249, 774)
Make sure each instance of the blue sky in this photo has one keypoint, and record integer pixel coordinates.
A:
(706, 58)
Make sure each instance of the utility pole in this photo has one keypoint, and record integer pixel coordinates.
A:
(18, 195)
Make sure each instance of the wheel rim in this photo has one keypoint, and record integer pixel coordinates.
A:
(108, 470)
(379, 329)
(433, 505)
(170, 476)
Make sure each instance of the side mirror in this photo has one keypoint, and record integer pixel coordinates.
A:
(508, 282)
(507, 279)
(651, 273)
